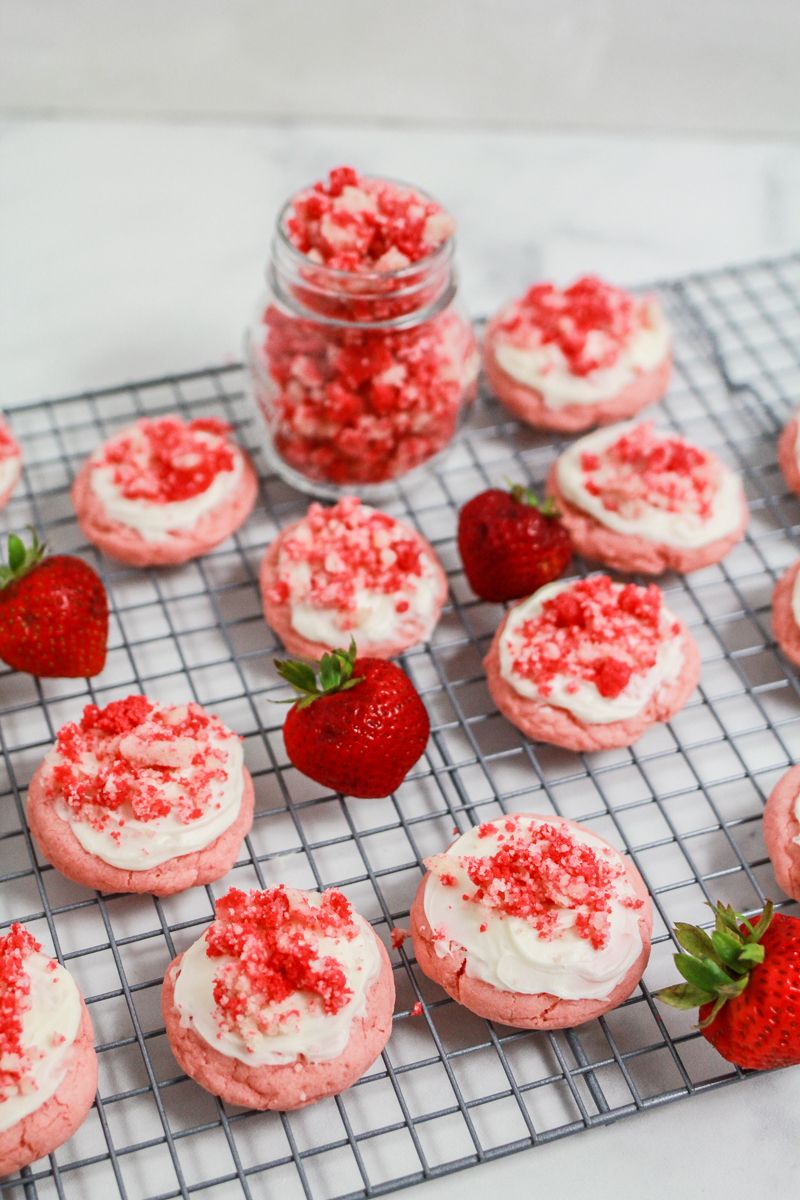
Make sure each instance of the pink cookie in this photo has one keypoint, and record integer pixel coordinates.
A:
(45, 1128)
(607, 671)
(784, 626)
(10, 463)
(351, 571)
(787, 455)
(450, 964)
(781, 831)
(592, 339)
(94, 825)
(635, 483)
(301, 1079)
(164, 491)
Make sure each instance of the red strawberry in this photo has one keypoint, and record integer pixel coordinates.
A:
(360, 730)
(746, 979)
(510, 543)
(53, 613)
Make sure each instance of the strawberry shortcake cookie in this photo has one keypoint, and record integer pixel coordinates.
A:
(533, 921)
(349, 571)
(786, 613)
(591, 664)
(782, 831)
(789, 453)
(10, 463)
(641, 499)
(142, 797)
(48, 1065)
(584, 356)
(286, 998)
(164, 490)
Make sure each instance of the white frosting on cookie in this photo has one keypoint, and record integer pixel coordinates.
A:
(579, 696)
(154, 520)
(298, 1025)
(10, 471)
(49, 1028)
(545, 368)
(684, 529)
(507, 951)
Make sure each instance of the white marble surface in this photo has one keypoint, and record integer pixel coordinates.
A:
(129, 249)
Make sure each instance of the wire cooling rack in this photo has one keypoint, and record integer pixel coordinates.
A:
(451, 1090)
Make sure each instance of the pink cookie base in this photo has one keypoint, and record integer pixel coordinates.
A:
(529, 405)
(519, 1009)
(124, 544)
(787, 455)
(557, 726)
(781, 826)
(61, 848)
(784, 626)
(50, 1125)
(278, 616)
(292, 1085)
(8, 492)
(629, 552)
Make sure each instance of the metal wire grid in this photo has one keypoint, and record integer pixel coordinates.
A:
(451, 1090)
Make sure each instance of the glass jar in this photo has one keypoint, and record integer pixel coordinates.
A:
(360, 377)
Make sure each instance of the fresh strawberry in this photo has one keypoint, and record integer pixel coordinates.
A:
(511, 543)
(746, 979)
(53, 613)
(359, 728)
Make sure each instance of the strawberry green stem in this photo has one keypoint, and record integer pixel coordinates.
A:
(21, 558)
(717, 966)
(335, 671)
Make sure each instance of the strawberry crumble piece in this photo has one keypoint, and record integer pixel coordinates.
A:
(272, 937)
(590, 322)
(16, 947)
(539, 871)
(399, 936)
(9, 447)
(647, 469)
(596, 632)
(416, 1011)
(167, 460)
(347, 549)
(158, 760)
(354, 223)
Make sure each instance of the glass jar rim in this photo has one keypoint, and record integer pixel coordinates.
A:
(441, 254)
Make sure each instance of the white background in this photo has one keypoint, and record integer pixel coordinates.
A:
(144, 149)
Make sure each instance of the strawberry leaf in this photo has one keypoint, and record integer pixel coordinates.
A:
(21, 558)
(684, 995)
(16, 552)
(335, 675)
(695, 940)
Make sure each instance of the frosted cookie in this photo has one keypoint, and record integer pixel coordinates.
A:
(789, 454)
(640, 499)
(585, 356)
(48, 1066)
(164, 491)
(591, 664)
(286, 998)
(142, 797)
(10, 463)
(351, 571)
(533, 921)
(782, 831)
(786, 613)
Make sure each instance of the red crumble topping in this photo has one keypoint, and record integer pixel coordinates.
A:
(15, 990)
(589, 322)
(9, 447)
(168, 460)
(348, 548)
(399, 936)
(272, 935)
(151, 760)
(539, 871)
(595, 632)
(416, 1011)
(354, 223)
(645, 469)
